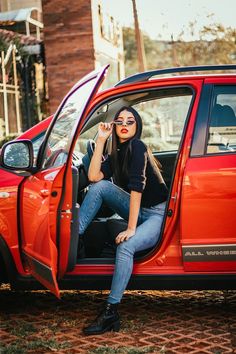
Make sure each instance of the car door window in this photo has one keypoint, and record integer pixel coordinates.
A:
(81, 144)
(164, 118)
(61, 135)
(37, 141)
(222, 126)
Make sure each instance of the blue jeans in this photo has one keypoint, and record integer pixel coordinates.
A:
(146, 235)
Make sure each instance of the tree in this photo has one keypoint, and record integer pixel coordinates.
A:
(216, 45)
(153, 50)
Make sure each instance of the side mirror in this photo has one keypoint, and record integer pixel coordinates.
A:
(17, 155)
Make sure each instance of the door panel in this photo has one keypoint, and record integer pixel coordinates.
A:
(208, 214)
(209, 190)
(39, 217)
(46, 197)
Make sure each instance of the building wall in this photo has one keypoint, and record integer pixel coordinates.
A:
(9, 5)
(69, 48)
(108, 42)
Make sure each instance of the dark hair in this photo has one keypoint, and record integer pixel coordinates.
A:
(123, 170)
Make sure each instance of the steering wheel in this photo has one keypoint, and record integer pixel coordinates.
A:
(56, 158)
(90, 148)
(86, 159)
(88, 156)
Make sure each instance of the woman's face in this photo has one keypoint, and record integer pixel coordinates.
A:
(125, 125)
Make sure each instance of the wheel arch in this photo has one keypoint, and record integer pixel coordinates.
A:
(8, 271)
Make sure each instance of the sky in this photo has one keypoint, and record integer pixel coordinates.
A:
(162, 18)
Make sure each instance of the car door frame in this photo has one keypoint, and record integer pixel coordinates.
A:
(64, 173)
(149, 264)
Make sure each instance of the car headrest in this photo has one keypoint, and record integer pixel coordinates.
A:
(222, 116)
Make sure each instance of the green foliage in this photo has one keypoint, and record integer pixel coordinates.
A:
(6, 139)
(13, 348)
(216, 45)
(152, 50)
(23, 329)
(4, 45)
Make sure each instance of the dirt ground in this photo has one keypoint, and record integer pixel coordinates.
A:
(165, 322)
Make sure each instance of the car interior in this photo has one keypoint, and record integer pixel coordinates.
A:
(99, 238)
(222, 129)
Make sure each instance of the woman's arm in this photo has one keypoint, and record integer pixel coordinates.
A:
(94, 173)
(135, 202)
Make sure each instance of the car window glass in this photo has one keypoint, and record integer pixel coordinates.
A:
(61, 135)
(222, 127)
(36, 141)
(81, 144)
(164, 119)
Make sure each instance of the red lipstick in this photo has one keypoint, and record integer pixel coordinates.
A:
(123, 130)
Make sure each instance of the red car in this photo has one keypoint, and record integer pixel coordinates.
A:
(189, 124)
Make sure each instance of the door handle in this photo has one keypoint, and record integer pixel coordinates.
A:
(174, 197)
(44, 192)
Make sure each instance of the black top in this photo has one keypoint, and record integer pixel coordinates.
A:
(142, 176)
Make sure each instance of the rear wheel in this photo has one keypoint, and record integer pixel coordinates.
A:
(3, 272)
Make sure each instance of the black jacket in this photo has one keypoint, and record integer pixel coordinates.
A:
(142, 176)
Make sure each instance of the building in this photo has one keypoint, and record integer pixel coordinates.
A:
(9, 5)
(21, 82)
(79, 36)
(22, 69)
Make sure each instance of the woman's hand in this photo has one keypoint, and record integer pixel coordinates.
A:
(104, 131)
(124, 236)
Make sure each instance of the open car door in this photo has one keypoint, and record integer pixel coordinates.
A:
(42, 214)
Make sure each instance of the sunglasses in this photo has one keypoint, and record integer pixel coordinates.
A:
(122, 122)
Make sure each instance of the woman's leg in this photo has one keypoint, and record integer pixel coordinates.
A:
(145, 237)
(103, 191)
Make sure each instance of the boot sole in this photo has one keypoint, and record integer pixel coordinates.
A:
(114, 327)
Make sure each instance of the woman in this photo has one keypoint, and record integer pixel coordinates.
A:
(138, 195)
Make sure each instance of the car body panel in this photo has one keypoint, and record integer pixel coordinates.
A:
(208, 197)
(8, 213)
(9, 192)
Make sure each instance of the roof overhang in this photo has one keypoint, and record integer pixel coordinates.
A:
(22, 15)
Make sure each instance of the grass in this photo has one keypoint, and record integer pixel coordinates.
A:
(26, 339)
(19, 347)
(23, 329)
(125, 350)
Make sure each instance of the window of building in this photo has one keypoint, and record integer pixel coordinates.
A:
(108, 27)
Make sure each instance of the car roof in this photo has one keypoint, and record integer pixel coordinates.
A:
(147, 75)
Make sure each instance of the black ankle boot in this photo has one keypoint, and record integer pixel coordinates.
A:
(107, 320)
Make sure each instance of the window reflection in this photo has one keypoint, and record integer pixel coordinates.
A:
(64, 128)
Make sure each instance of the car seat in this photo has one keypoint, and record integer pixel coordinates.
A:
(222, 116)
(228, 117)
